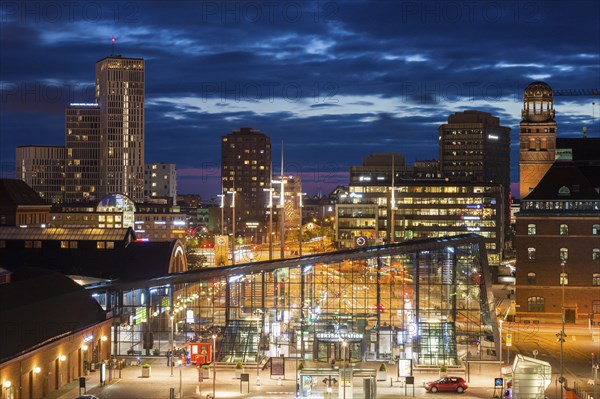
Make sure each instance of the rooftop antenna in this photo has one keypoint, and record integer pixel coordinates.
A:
(113, 41)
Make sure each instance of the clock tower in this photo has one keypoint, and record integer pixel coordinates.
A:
(537, 138)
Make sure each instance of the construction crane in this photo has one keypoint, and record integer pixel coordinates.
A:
(576, 92)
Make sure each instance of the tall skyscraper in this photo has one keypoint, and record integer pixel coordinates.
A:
(537, 136)
(120, 97)
(82, 141)
(246, 170)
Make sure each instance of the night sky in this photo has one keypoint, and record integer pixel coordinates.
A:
(334, 80)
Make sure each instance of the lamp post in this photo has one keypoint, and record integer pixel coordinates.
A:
(171, 342)
(270, 206)
(344, 345)
(214, 337)
(232, 226)
(281, 207)
(501, 321)
(222, 196)
(562, 335)
(180, 365)
(300, 222)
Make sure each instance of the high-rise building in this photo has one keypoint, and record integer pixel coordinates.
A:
(537, 136)
(473, 146)
(160, 181)
(43, 169)
(83, 162)
(120, 97)
(246, 170)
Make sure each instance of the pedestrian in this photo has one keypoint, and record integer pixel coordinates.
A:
(169, 354)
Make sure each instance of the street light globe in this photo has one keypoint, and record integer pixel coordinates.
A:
(84, 347)
(7, 384)
(37, 370)
(104, 338)
(62, 358)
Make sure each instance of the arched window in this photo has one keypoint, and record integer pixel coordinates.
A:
(531, 230)
(531, 278)
(536, 304)
(531, 253)
(564, 254)
(596, 254)
(596, 229)
(596, 279)
(564, 279)
(564, 230)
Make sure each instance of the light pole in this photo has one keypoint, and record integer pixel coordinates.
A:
(501, 321)
(232, 226)
(300, 222)
(180, 365)
(562, 335)
(344, 344)
(270, 206)
(171, 342)
(222, 196)
(214, 337)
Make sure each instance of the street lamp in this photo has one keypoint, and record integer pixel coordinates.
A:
(281, 215)
(232, 226)
(222, 196)
(561, 336)
(214, 337)
(171, 342)
(180, 365)
(344, 344)
(270, 206)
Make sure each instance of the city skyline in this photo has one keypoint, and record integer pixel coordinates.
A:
(335, 81)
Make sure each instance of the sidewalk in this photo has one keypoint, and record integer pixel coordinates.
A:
(132, 386)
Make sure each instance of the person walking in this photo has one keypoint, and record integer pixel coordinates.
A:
(169, 354)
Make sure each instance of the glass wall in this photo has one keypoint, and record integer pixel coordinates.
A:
(427, 301)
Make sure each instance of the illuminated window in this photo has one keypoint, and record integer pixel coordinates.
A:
(64, 244)
(72, 244)
(531, 278)
(531, 230)
(564, 230)
(110, 245)
(596, 254)
(531, 253)
(564, 279)
(596, 279)
(100, 245)
(596, 307)
(564, 254)
(596, 229)
(536, 304)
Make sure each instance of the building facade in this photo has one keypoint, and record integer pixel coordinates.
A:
(160, 181)
(537, 138)
(83, 161)
(120, 97)
(246, 170)
(43, 169)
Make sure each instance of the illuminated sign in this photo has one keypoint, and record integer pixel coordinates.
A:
(475, 206)
(339, 336)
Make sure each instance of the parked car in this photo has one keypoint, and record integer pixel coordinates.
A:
(87, 397)
(457, 384)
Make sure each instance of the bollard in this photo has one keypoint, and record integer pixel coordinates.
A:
(391, 382)
(279, 382)
(257, 380)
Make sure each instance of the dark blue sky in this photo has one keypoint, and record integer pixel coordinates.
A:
(334, 80)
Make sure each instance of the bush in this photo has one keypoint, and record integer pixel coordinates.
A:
(239, 365)
(205, 366)
(146, 366)
(443, 368)
(300, 366)
(382, 367)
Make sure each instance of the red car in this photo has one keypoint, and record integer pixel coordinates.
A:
(457, 384)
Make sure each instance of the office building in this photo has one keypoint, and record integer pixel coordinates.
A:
(246, 170)
(83, 161)
(160, 181)
(43, 169)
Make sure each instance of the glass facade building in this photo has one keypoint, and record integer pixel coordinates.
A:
(427, 300)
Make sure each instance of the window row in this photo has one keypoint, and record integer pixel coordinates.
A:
(563, 229)
(563, 254)
(563, 279)
(538, 304)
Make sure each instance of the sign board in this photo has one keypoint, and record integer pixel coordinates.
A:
(509, 339)
(81, 382)
(404, 367)
(277, 366)
(410, 380)
(498, 382)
